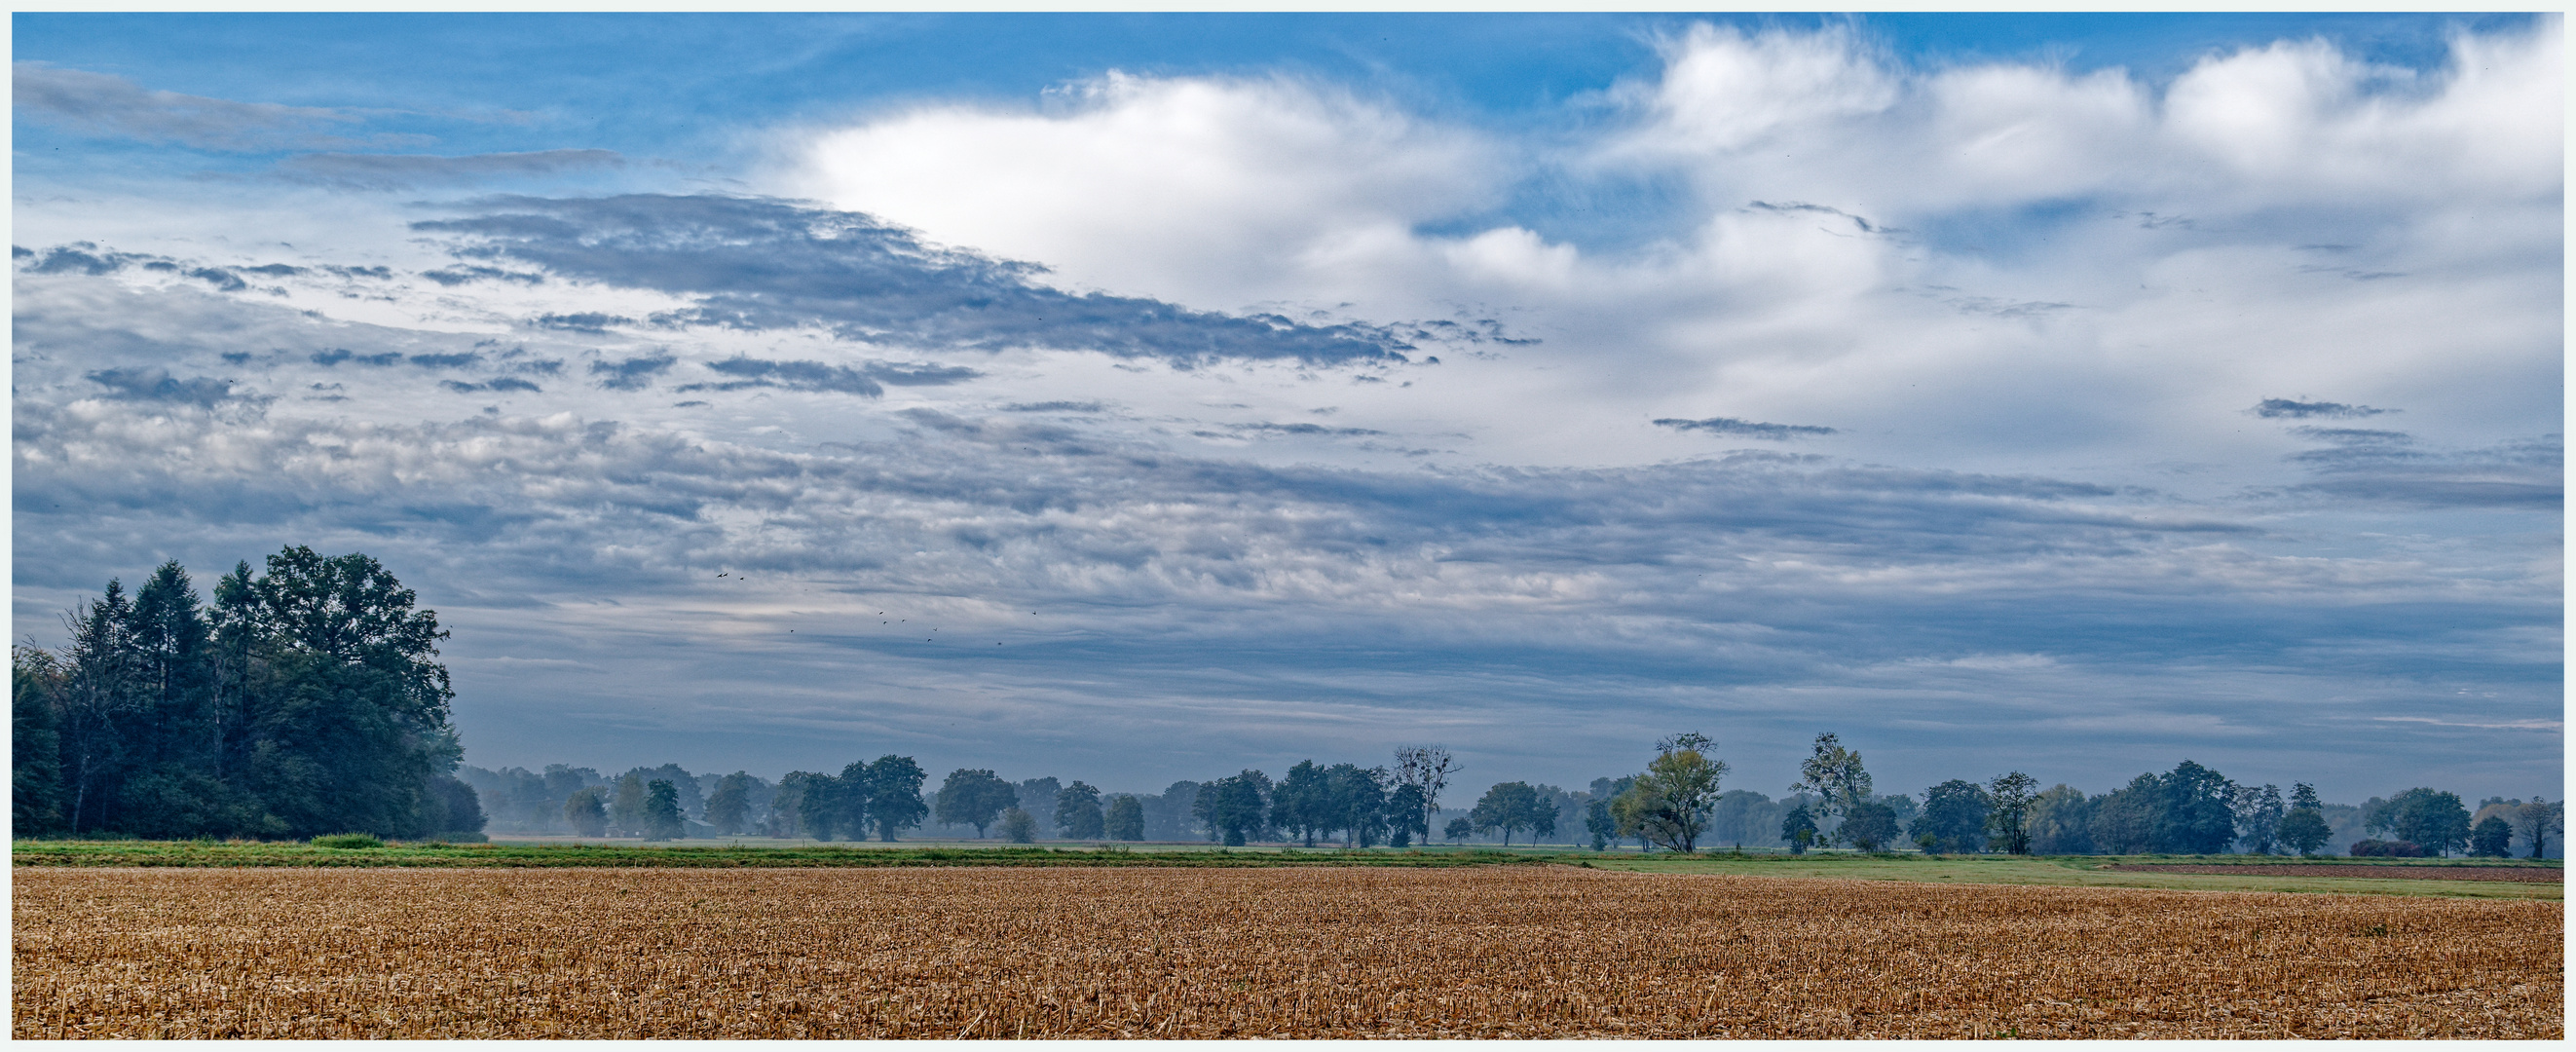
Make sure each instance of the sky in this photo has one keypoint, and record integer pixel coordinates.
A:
(1143, 397)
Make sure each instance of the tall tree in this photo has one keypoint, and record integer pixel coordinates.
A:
(1356, 802)
(729, 807)
(1237, 808)
(973, 797)
(1671, 802)
(894, 795)
(1598, 821)
(850, 792)
(626, 809)
(2428, 818)
(2537, 821)
(2198, 813)
(2061, 822)
(1077, 812)
(2259, 812)
(1798, 827)
(584, 813)
(2011, 795)
(1509, 807)
(2492, 837)
(661, 811)
(1428, 768)
(1126, 818)
(2304, 828)
(1834, 775)
(35, 747)
(1871, 825)
(1302, 806)
(1954, 816)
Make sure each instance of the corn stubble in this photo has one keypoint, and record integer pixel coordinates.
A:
(1499, 952)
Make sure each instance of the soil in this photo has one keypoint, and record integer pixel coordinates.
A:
(2515, 874)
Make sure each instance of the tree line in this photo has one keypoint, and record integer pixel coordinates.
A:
(303, 700)
(307, 700)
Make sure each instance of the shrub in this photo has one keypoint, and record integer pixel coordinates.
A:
(2386, 849)
(348, 840)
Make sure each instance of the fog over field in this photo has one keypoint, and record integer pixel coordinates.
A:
(1142, 399)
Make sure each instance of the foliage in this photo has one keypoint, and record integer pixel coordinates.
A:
(1598, 821)
(2492, 837)
(585, 814)
(2436, 820)
(2259, 812)
(626, 815)
(729, 807)
(2010, 796)
(1126, 818)
(894, 796)
(1077, 812)
(1427, 768)
(2537, 821)
(2304, 830)
(661, 811)
(1236, 808)
(1458, 829)
(347, 841)
(1511, 807)
(1835, 777)
(1669, 804)
(302, 701)
(1019, 826)
(1871, 826)
(2061, 822)
(1954, 816)
(973, 797)
(1799, 829)
(1407, 814)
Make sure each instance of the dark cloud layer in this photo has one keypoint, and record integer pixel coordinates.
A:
(101, 104)
(2279, 408)
(1727, 425)
(764, 264)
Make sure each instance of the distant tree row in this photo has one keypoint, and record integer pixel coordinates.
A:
(301, 701)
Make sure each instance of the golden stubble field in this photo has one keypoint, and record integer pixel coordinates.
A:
(1482, 952)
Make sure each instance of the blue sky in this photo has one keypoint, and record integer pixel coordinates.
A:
(1143, 397)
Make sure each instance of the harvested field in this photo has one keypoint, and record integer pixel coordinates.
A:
(2515, 874)
(1486, 952)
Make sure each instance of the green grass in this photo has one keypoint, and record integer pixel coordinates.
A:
(2064, 871)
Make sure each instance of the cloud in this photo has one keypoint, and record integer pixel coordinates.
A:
(379, 171)
(759, 265)
(794, 376)
(155, 384)
(589, 321)
(1056, 407)
(105, 105)
(632, 374)
(2387, 467)
(1727, 425)
(2276, 408)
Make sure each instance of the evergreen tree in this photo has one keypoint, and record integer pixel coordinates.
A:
(661, 811)
(35, 748)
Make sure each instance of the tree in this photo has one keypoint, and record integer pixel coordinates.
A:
(583, 812)
(1126, 818)
(2304, 829)
(2434, 820)
(1037, 797)
(1833, 775)
(894, 795)
(1077, 812)
(662, 811)
(973, 797)
(848, 796)
(1019, 826)
(729, 807)
(1598, 821)
(2492, 837)
(1303, 805)
(1458, 829)
(1510, 807)
(2197, 814)
(1798, 827)
(2124, 819)
(1237, 808)
(2537, 820)
(1356, 802)
(2061, 822)
(35, 747)
(2011, 796)
(1954, 816)
(1427, 768)
(626, 810)
(1670, 803)
(2258, 817)
(1405, 815)
(1870, 826)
